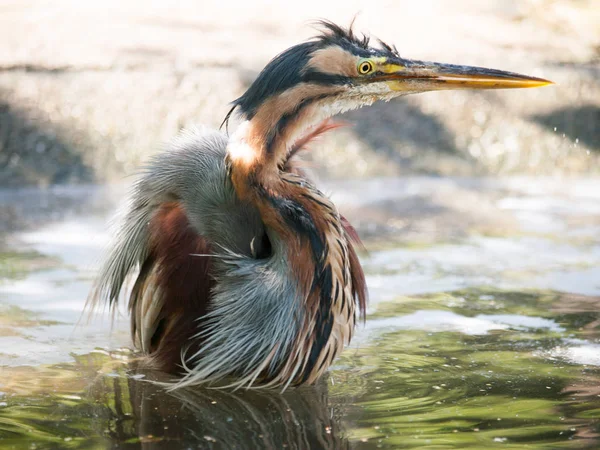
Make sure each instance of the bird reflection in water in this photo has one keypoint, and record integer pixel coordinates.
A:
(136, 411)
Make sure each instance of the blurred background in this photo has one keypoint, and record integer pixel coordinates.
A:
(479, 212)
(89, 89)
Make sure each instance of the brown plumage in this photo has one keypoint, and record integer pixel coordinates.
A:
(247, 275)
(171, 273)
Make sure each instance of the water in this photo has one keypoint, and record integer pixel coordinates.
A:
(483, 330)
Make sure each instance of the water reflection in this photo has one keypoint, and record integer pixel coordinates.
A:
(398, 387)
(475, 338)
(479, 388)
(120, 408)
(138, 410)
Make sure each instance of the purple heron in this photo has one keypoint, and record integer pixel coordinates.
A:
(247, 274)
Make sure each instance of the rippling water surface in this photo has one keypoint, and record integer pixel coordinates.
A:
(483, 329)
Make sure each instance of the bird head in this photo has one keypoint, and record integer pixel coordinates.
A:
(337, 71)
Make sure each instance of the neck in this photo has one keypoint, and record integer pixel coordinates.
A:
(306, 233)
(264, 139)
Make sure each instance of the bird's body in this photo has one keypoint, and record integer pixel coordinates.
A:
(254, 329)
(245, 270)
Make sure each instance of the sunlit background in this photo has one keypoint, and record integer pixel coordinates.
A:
(479, 211)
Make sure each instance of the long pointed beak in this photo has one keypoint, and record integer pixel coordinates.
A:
(425, 76)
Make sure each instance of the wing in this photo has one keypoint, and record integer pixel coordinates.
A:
(159, 240)
(173, 289)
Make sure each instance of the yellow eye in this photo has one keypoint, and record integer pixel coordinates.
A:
(365, 67)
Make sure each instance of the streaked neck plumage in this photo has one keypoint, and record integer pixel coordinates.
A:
(305, 225)
(263, 142)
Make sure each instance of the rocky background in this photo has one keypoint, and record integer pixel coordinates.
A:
(89, 89)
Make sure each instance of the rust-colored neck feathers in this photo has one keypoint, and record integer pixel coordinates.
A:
(265, 140)
(320, 257)
(257, 154)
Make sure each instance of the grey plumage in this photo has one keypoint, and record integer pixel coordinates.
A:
(245, 268)
(254, 302)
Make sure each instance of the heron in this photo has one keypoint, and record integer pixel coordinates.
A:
(244, 274)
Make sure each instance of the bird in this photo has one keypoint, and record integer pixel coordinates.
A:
(244, 274)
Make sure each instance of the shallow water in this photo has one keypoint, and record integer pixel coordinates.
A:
(483, 329)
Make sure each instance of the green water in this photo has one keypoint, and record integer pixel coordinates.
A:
(477, 341)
